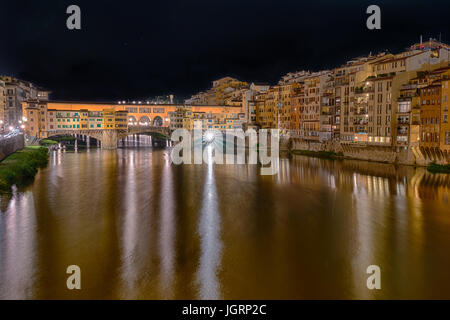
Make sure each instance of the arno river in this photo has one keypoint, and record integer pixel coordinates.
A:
(141, 228)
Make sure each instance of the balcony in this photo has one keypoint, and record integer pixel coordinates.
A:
(404, 98)
(404, 110)
(402, 121)
(361, 90)
(341, 83)
(360, 122)
(402, 131)
(361, 111)
(409, 86)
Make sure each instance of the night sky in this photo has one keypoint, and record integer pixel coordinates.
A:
(140, 49)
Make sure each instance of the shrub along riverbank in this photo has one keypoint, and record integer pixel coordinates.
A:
(48, 142)
(20, 167)
(439, 168)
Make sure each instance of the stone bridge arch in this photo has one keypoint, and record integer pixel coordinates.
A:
(132, 120)
(158, 121)
(96, 134)
(163, 131)
(110, 138)
(144, 120)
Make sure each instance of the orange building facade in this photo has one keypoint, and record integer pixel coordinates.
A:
(44, 117)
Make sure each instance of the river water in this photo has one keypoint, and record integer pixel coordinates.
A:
(142, 228)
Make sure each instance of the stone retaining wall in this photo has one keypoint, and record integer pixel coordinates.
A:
(10, 145)
(388, 154)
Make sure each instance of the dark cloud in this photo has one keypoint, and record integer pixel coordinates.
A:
(138, 49)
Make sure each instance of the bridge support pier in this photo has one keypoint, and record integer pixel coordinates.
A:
(109, 139)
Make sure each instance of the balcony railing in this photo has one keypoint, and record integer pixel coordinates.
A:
(360, 90)
(362, 111)
(404, 110)
(409, 86)
(360, 122)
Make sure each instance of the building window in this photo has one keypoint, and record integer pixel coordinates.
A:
(404, 106)
(132, 109)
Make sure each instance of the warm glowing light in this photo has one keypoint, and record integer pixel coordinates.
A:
(209, 136)
(10, 128)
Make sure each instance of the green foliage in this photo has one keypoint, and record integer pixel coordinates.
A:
(20, 167)
(438, 168)
(48, 142)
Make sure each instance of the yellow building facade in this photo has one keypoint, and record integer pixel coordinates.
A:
(104, 116)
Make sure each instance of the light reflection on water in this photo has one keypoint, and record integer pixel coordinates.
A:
(140, 227)
(209, 231)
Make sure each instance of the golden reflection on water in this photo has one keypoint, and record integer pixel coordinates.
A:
(210, 243)
(142, 228)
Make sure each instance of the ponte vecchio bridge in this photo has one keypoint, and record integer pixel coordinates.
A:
(105, 122)
(110, 138)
